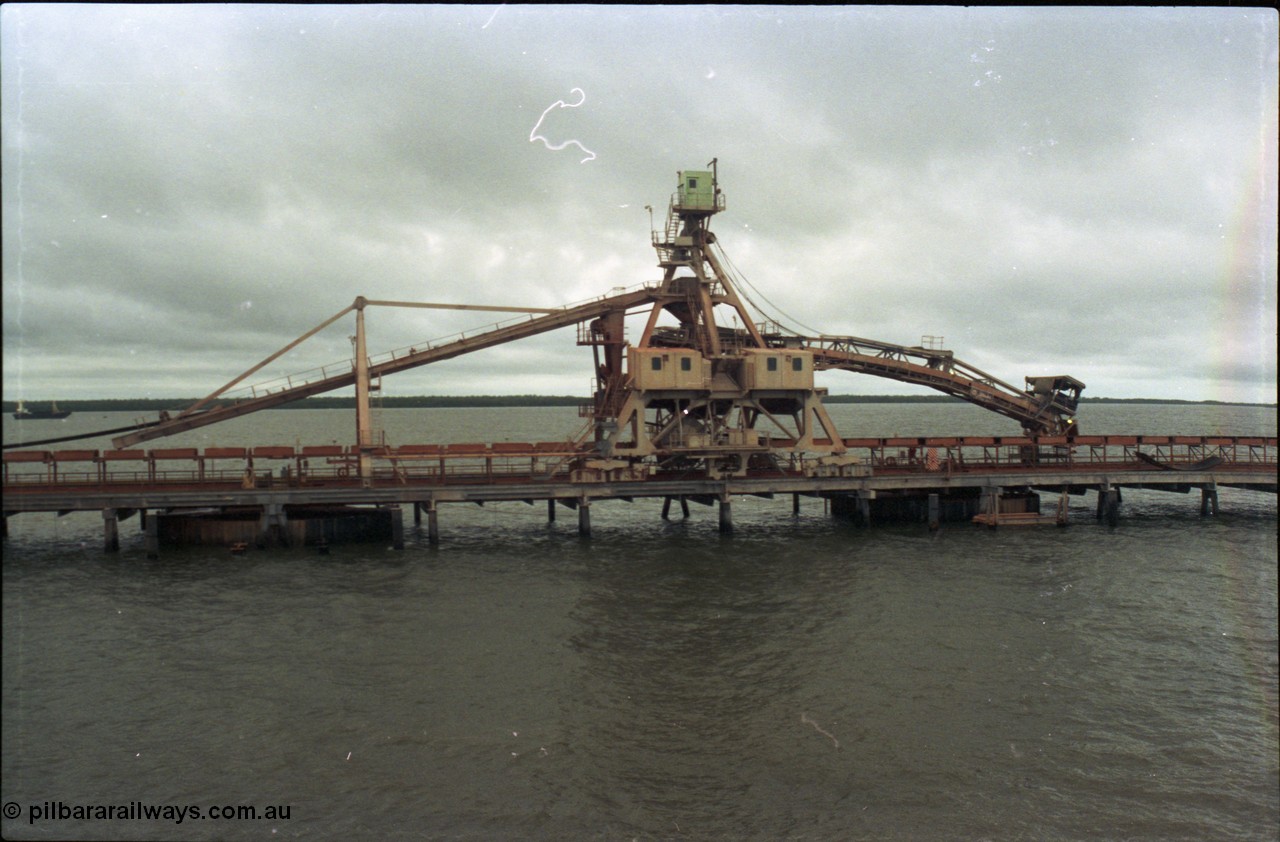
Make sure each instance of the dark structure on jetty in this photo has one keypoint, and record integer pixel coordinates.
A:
(693, 411)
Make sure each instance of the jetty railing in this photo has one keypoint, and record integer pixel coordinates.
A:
(31, 471)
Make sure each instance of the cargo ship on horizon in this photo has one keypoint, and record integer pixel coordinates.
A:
(52, 413)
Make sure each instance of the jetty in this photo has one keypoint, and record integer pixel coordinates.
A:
(318, 494)
(710, 402)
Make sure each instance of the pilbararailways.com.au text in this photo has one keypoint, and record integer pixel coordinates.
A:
(62, 811)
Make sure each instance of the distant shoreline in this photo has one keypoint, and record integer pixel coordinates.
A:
(486, 401)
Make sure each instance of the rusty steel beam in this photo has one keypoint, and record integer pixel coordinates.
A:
(181, 424)
(986, 392)
(484, 307)
(554, 320)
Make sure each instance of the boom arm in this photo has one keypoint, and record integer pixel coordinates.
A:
(1045, 409)
(551, 320)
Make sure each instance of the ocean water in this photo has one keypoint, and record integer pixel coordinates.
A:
(799, 679)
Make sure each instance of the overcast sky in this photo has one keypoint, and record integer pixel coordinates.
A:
(1085, 191)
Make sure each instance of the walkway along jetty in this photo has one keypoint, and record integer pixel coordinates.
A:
(693, 411)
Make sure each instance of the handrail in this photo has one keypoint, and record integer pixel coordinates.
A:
(31, 471)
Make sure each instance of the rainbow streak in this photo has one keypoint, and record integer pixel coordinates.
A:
(1247, 283)
(1245, 332)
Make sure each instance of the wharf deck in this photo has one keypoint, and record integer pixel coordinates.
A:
(86, 480)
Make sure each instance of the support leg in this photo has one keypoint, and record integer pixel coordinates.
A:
(584, 519)
(433, 524)
(684, 507)
(726, 516)
(551, 511)
(110, 531)
(1111, 509)
(397, 528)
(991, 504)
(795, 505)
(282, 525)
(1209, 500)
(666, 508)
(152, 536)
(272, 521)
(935, 512)
(264, 528)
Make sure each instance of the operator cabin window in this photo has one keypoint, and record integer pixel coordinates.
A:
(773, 364)
(693, 184)
(686, 364)
(656, 363)
(797, 364)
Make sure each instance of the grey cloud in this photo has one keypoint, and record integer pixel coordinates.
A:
(1045, 187)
